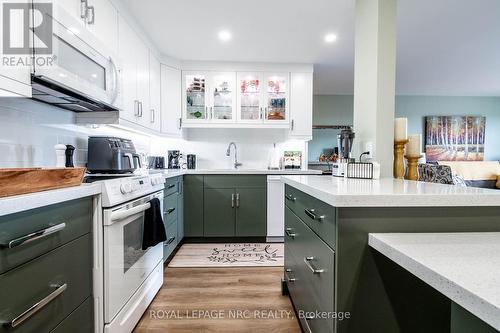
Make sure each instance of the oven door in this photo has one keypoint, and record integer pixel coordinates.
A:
(126, 265)
(77, 65)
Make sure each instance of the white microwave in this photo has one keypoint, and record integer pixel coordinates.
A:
(75, 76)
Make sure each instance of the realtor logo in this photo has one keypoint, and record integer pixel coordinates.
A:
(27, 28)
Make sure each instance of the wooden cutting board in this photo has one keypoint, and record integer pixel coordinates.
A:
(29, 180)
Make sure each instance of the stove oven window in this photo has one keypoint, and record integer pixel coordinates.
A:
(132, 247)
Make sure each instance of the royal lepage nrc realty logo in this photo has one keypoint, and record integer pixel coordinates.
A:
(27, 31)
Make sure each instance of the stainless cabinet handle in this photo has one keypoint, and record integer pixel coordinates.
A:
(261, 113)
(170, 240)
(37, 306)
(152, 116)
(140, 109)
(292, 125)
(313, 269)
(211, 113)
(232, 200)
(180, 123)
(290, 197)
(237, 200)
(289, 232)
(91, 9)
(266, 114)
(170, 186)
(136, 108)
(206, 112)
(34, 236)
(170, 210)
(288, 270)
(312, 214)
(83, 9)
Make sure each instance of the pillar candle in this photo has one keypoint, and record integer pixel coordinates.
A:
(400, 129)
(413, 147)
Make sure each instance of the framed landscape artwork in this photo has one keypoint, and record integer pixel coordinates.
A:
(454, 138)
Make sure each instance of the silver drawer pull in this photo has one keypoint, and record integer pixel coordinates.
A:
(313, 269)
(170, 186)
(289, 233)
(170, 210)
(291, 280)
(288, 270)
(37, 306)
(290, 197)
(170, 240)
(34, 236)
(312, 214)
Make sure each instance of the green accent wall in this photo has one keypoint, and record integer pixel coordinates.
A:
(338, 110)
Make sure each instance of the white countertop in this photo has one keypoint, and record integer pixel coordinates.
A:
(23, 202)
(465, 267)
(389, 192)
(174, 173)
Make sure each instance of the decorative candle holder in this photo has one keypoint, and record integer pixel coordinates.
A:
(413, 166)
(399, 162)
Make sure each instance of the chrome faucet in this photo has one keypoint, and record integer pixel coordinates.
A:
(236, 164)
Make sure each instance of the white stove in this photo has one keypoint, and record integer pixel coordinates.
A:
(131, 276)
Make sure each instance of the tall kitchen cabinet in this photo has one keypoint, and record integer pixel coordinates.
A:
(209, 97)
(140, 75)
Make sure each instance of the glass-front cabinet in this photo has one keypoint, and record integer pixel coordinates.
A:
(235, 97)
(276, 98)
(250, 108)
(262, 97)
(194, 103)
(222, 103)
(209, 97)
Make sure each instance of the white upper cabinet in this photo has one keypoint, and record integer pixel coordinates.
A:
(263, 97)
(99, 17)
(102, 21)
(127, 44)
(221, 97)
(250, 107)
(194, 97)
(301, 105)
(155, 93)
(276, 97)
(171, 106)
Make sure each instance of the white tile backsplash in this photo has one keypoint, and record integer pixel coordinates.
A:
(29, 130)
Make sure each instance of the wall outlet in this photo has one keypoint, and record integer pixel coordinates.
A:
(369, 149)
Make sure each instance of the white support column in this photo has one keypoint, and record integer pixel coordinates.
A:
(375, 79)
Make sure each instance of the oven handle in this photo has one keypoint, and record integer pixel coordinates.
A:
(120, 215)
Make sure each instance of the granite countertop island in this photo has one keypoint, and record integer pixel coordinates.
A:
(465, 267)
(381, 295)
(390, 192)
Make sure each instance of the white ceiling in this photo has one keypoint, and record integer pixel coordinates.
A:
(445, 47)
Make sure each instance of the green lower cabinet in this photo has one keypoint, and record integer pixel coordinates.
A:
(462, 321)
(63, 276)
(251, 212)
(193, 201)
(180, 213)
(80, 320)
(219, 212)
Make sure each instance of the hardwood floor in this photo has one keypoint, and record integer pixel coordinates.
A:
(222, 300)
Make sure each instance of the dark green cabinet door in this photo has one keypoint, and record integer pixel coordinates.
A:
(219, 213)
(251, 212)
(180, 213)
(193, 215)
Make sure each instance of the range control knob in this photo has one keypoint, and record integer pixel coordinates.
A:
(126, 188)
